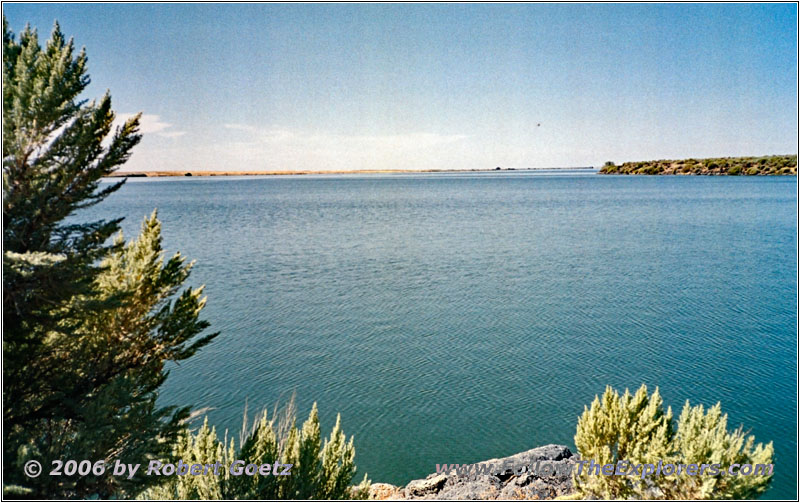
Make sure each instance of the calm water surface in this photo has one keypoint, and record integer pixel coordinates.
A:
(456, 318)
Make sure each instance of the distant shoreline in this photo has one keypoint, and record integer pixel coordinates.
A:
(151, 174)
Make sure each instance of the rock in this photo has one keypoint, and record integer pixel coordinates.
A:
(470, 490)
(425, 486)
(384, 492)
(540, 473)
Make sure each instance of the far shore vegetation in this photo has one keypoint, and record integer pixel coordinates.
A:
(766, 165)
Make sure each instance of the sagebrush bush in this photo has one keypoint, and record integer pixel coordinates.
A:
(703, 437)
(636, 428)
(320, 470)
(628, 427)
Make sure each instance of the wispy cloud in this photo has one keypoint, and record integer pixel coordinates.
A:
(273, 148)
(265, 135)
(152, 124)
(247, 147)
(171, 134)
(286, 149)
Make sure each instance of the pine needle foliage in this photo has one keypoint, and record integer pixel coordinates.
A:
(321, 470)
(636, 428)
(88, 322)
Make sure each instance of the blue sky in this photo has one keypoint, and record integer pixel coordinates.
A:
(426, 86)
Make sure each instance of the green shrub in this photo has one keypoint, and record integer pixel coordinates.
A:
(322, 471)
(637, 429)
(735, 170)
(752, 171)
(703, 437)
(633, 428)
(609, 167)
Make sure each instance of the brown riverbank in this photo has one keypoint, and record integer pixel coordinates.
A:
(122, 174)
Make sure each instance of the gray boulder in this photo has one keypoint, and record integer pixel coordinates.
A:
(540, 473)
